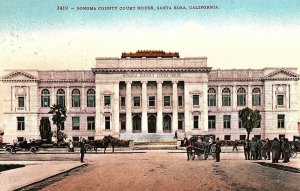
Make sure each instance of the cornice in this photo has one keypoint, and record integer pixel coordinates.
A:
(122, 70)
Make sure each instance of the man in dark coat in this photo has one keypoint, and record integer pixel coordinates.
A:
(253, 149)
(275, 148)
(82, 150)
(287, 150)
(246, 145)
(218, 150)
(268, 148)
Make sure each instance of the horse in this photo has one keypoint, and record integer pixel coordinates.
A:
(104, 143)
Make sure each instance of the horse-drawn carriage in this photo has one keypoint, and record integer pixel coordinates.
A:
(200, 146)
(295, 146)
(24, 145)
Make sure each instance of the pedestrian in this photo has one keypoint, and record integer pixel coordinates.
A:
(275, 148)
(281, 148)
(253, 149)
(175, 136)
(258, 150)
(287, 150)
(71, 146)
(82, 150)
(268, 148)
(218, 150)
(263, 149)
(235, 144)
(247, 149)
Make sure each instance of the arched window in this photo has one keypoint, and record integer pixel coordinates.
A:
(60, 97)
(75, 98)
(91, 99)
(241, 97)
(167, 123)
(256, 97)
(226, 97)
(211, 97)
(45, 98)
(136, 123)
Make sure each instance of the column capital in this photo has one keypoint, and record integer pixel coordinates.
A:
(144, 82)
(128, 82)
(159, 81)
(175, 81)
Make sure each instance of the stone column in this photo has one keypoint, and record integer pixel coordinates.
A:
(82, 100)
(144, 107)
(287, 96)
(274, 101)
(159, 107)
(175, 107)
(68, 99)
(249, 99)
(53, 97)
(128, 108)
(234, 98)
(219, 97)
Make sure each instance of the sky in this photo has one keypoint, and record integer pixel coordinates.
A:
(238, 34)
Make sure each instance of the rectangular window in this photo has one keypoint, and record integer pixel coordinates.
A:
(241, 125)
(151, 101)
(21, 123)
(91, 123)
(60, 100)
(242, 137)
(180, 125)
(75, 139)
(137, 101)
(123, 125)
(180, 101)
(196, 100)
(280, 100)
(226, 121)
(211, 100)
(167, 101)
(75, 123)
(258, 137)
(211, 121)
(280, 121)
(106, 100)
(45, 101)
(76, 101)
(107, 122)
(21, 101)
(91, 101)
(196, 122)
(123, 101)
(62, 126)
(227, 137)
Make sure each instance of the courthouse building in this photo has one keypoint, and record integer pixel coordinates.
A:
(148, 96)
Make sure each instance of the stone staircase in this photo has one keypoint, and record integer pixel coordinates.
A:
(148, 137)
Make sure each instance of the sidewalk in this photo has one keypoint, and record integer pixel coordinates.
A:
(34, 171)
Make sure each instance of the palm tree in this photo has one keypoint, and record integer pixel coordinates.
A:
(251, 119)
(58, 117)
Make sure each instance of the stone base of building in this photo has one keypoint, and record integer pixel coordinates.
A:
(148, 137)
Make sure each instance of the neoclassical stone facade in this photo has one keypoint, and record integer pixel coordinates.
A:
(148, 96)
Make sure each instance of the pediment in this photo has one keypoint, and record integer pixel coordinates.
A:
(282, 74)
(19, 75)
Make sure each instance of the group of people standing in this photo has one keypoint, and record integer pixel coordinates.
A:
(258, 149)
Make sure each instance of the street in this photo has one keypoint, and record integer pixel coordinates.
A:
(166, 170)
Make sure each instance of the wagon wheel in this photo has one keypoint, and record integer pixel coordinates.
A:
(293, 154)
(9, 150)
(32, 150)
(193, 155)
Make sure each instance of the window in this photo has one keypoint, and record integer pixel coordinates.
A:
(211, 97)
(196, 100)
(180, 124)
(123, 101)
(75, 123)
(21, 123)
(258, 137)
(211, 121)
(167, 101)
(280, 121)
(75, 139)
(227, 137)
(123, 125)
(60, 97)
(62, 126)
(107, 122)
(152, 101)
(280, 100)
(226, 97)
(137, 101)
(256, 97)
(226, 121)
(196, 122)
(90, 123)
(106, 100)
(21, 101)
(136, 123)
(241, 97)
(242, 137)
(167, 121)
(75, 98)
(91, 100)
(45, 98)
(241, 124)
(180, 101)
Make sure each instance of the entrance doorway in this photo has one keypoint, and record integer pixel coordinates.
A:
(45, 129)
(151, 124)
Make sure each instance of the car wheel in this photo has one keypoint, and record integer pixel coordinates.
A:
(32, 150)
(9, 150)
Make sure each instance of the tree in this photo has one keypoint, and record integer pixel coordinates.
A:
(250, 119)
(58, 117)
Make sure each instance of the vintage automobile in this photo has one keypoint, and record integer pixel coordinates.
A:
(202, 149)
(25, 146)
(295, 146)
